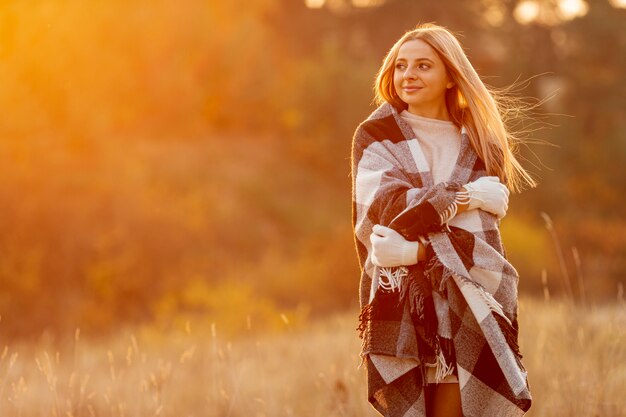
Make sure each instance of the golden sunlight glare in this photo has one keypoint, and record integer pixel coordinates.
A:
(494, 14)
(315, 4)
(526, 11)
(571, 9)
(620, 4)
(367, 3)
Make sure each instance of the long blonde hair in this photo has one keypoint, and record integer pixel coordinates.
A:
(470, 103)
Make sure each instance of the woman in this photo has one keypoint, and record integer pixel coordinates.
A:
(432, 168)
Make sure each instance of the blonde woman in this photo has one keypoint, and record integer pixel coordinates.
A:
(432, 168)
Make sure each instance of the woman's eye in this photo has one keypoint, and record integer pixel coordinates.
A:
(420, 66)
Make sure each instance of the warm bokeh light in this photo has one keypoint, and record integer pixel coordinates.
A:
(618, 3)
(571, 9)
(526, 11)
(367, 3)
(495, 13)
(315, 4)
(551, 14)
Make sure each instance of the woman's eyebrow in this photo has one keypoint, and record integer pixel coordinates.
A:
(416, 59)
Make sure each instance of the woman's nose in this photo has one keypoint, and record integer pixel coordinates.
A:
(409, 74)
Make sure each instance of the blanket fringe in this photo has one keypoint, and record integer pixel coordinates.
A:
(363, 356)
(511, 337)
(489, 299)
(416, 291)
(442, 369)
(438, 283)
(394, 275)
(410, 289)
(433, 263)
(364, 317)
(395, 280)
(461, 197)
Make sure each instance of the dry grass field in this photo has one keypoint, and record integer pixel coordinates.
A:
(576, 358)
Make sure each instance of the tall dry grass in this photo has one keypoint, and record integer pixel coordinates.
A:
(576, 358)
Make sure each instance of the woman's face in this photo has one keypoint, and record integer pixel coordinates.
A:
(420, 79)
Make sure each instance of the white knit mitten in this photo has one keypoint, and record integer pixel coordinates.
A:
(489, 194)
(390, 248)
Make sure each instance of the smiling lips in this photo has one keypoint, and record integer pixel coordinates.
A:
(411, 89)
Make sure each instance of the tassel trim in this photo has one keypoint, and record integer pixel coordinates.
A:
(438, 281)
(445, 361)
(442, 369)
(461, 197)
(490, 301)
(394, 277)
(411, 290)
(511, 336)
(365, 317)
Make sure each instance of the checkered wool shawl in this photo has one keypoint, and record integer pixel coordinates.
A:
(466, 272)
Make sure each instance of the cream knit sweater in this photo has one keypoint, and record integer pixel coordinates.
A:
(440, 141)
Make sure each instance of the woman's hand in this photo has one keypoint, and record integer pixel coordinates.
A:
(390, 248)
(489, 194)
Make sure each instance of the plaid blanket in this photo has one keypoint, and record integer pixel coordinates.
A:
(466, 285)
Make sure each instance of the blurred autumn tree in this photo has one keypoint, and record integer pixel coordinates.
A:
(158, 158)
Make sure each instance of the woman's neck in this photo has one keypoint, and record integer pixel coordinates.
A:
(431, 112)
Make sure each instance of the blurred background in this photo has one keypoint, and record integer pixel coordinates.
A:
(165, 161)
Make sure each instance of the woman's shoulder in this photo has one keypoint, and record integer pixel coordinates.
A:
(381, 124)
